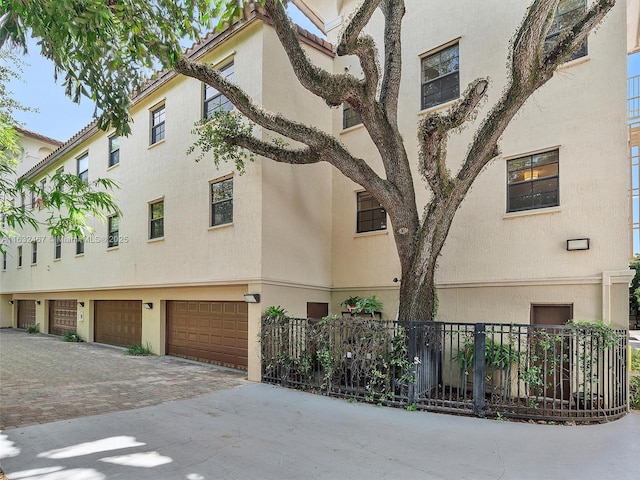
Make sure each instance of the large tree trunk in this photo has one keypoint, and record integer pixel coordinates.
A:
(418, 299)
(417, 295)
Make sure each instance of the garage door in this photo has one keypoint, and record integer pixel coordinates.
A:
(118, 322)
(214, 332)
(63, 316)
(26, 313)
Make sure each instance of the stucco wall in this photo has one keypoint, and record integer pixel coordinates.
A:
(581, 112)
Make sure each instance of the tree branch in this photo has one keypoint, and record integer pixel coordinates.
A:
(528, 74)
(360, 19)
(433, 132)
(332, 88)
(303, 156)
(528, 43)
(571, 40)
(320, 144)
(353, 42)
(394, 12)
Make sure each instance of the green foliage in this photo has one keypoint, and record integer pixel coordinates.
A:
(634, 392)
(72, 336)
(66, 200)
(368, 305)
(635, 360)
(139, 350)
(603, 333)
(216, 136)
(634, 287)
(337, 354)
(107, 49)
(33, 329)
(356, 304)
(274, 312)
(497, 355)
(350, 301)
(10, 69)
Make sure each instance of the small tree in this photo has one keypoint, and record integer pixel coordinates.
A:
(66, 200)
(109, 45)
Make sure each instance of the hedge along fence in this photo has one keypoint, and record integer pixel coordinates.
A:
(564, 373)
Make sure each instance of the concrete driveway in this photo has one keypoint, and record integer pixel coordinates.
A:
(257, 431)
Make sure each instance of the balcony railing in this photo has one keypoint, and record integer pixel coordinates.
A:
(633, 100)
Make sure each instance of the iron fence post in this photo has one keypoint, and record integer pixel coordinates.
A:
(478, 368)
(412, 355)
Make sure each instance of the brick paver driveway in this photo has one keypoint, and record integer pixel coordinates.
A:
(43, 379)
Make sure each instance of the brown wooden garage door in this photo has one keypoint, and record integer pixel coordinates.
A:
(26, 313)
(118, 322)
(63, 316)
(214, 332)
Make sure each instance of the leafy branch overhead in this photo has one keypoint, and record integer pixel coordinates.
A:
(62, 203)
(106, 50)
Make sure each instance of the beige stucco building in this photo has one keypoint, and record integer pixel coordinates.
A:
(193, 239)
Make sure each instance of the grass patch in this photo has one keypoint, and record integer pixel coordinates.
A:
(34, 328)
(72, 336)
(139, 350)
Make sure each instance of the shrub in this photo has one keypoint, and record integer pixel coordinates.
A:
(34, 328)
(72, 336)
(634, 392)
(273, 312)
(139, 350)
(635, 360)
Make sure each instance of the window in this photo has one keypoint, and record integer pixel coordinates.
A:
(440, 77)
(350, 117)
(568, 12)
(79, 246)
(59, 173)
(19, 256)
(532, 182)
(157, 125)
(39, 201)
(114, 232)
(57, 248)
(4, 261)
(222, 202)
(213, 99)
(114, 151)
(83, 168)
(34, 253)
(156, 219)
(371, 215)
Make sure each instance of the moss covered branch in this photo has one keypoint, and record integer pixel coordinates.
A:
(332, 88)
(433, 133)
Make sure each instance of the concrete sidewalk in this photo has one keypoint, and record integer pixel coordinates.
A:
(263, 432)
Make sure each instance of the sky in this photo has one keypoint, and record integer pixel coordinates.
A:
(59, 118)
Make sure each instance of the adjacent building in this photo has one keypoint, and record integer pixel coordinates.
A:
(199, 252)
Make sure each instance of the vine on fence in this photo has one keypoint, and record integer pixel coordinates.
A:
(349, 356)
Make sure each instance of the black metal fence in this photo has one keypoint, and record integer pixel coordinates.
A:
(556, 373)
